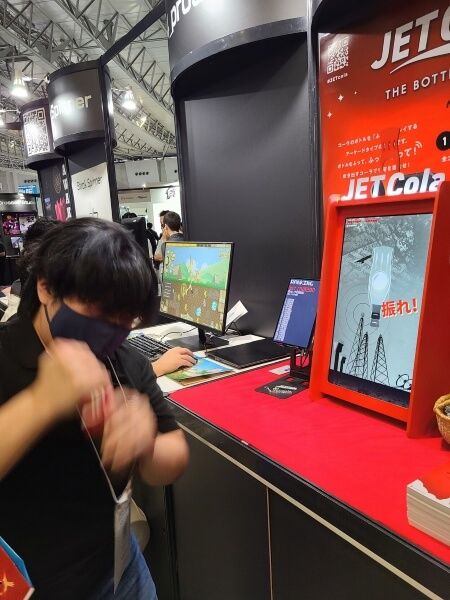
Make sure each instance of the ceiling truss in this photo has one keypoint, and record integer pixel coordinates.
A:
(38, 45)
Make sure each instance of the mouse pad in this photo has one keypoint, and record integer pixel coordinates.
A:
(283, 388)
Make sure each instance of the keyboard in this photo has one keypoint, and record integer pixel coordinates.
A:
(148, 346)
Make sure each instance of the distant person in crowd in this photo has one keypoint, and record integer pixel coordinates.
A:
(171, 232)
(2, 262)
(80, 414)
(162, 214)
(129, 215)
(157, 252)
(152, 237)
(31, 242)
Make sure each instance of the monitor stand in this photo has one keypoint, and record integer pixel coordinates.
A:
(297, 379)
(201, 341)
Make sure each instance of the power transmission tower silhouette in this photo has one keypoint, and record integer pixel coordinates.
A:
(379, 372)
(362, 358)
(356, 345)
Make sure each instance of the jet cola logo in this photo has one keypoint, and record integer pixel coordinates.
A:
(180, 8)
(397, 44)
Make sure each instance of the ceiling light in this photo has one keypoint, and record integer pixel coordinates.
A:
(142, 121)
(19, 89)
(129, 102)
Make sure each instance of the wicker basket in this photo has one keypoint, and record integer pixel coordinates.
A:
(442, 420)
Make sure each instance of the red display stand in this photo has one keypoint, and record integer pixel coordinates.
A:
(431, 374)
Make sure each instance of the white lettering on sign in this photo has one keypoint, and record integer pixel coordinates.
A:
(398, 183)
(67, 107)
(175, 13)
(397, 43)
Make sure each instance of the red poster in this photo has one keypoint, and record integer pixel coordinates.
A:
(385, 103)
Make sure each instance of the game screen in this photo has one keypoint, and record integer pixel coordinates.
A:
(25, 222)
(17, 243)
(10, 223)
(298, 315)
(195, 283)
(378, 305)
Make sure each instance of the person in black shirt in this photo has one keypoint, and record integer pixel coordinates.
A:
(65, 351)
(152, 237)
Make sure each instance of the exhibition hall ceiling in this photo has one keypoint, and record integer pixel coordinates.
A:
(38, 37)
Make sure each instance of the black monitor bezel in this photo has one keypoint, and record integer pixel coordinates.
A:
(311, 337)
(227, 291)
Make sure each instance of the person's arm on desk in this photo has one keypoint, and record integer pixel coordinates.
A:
(172, 360)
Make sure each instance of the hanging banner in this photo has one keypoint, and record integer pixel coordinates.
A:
(385, 104)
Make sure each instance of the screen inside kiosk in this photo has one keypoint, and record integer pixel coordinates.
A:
(195, 283)
(378, 305)
(298, 315)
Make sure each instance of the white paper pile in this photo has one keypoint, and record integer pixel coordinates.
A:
(428, 503)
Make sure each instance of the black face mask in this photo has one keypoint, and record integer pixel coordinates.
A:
(102, 337)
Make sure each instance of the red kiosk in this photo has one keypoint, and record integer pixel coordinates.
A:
(382, 249)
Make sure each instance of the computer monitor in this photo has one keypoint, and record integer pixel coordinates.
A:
(378, 306)
(195, 287)
(138, 228)
(296, 321)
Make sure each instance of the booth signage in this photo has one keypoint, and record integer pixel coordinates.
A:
(37, 133)
(385, 104)
(18, 205)
(26, 188)
(75, 105)
(56, 200)
(193, 24)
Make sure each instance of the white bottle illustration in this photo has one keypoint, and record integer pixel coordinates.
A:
(379, 280)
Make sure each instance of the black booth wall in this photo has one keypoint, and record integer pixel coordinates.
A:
(245, 153)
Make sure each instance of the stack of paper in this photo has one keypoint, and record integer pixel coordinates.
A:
(428, 503)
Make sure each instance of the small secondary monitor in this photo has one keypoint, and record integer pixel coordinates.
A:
(138, 228)
(195, 283)
(378, 304)
(296, 322)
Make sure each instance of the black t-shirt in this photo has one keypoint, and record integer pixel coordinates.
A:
(56, 510)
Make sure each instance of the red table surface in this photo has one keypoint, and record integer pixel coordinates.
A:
(361, 458)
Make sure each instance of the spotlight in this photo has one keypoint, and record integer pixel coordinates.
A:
(129, 102)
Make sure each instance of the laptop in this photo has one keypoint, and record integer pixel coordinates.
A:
(294, 329)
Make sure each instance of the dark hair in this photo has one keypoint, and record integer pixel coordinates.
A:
(97, 262)
(31, 241)
(172, 220)
(129, 215)
(163, 213)
(149, 225)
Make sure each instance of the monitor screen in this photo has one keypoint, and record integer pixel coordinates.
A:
(378, 305)
(298, 315)
(195, 283)
(26, 221)
(10, 224)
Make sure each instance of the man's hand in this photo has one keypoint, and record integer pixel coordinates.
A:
(129, 432)
(173, 359)
(66, 375)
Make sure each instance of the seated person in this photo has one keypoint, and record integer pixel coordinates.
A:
(172, 360)
(88, 281)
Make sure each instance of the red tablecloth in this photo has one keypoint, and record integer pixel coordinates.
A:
(363, 459)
